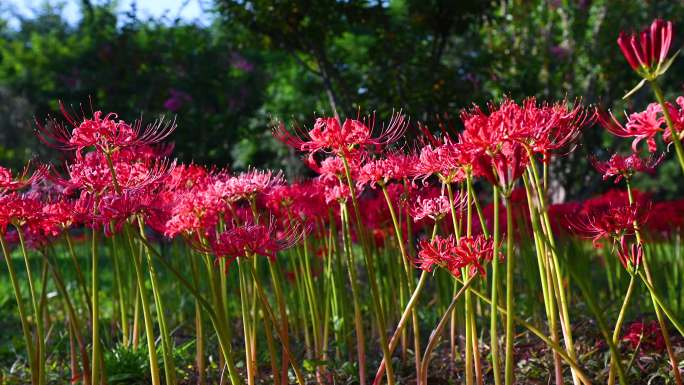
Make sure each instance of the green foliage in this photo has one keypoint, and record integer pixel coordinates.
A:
(253, 62)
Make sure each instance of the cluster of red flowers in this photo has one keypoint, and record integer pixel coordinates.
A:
(470, 253)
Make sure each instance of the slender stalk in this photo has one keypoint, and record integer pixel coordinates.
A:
(658, 306)
(25, 328)
(618, 327)
(95, 318)
(554, 346)
(493, 316)
(508, 377)
(437, 331)
(351, 269)
(147, 316)
(554, 265)
(167, 346)
(368, 258)
(269, 313)
(409, 275)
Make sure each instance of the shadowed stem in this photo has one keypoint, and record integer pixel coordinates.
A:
(372, 278)
(618, 326)
(25, 328)
(269, 313)
(437, 332)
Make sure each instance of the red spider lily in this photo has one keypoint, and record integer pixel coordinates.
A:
(92, 173)
(447, 160)
(470, 252)
(19, 210)
(104, 133)
(435, 207)
(504, 167)
(542, 128)
(246, 185)
(677, 115)
(251, 239)
(474, 252)
(648, 334)
(630, 254)
(304, 199)
(640, 126)
(437, 252)
(625, 167)
(336, 192)
(646, 52)
(330, 135)
(19, 181)
(608, 223)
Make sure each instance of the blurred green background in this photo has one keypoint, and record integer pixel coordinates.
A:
(248, 63)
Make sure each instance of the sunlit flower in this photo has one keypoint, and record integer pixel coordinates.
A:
(104, 133)
(643, 125)
(330, 135)
(625, 167)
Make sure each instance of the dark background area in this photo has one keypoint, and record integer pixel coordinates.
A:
(253, 62)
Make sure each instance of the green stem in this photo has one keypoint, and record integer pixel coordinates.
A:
(493, 328)
(167, 346)
(508, 377)
(372, 278)
(554, 346)
(269, 313)
(618, 328)
(437, 331)
(25, 328)
(147, 316)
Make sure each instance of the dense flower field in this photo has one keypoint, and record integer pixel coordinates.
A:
(396, 258)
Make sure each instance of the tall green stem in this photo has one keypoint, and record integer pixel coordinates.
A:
(509, 292)
(618, 326)
(25, 328)
(368, 258)
(493, 328)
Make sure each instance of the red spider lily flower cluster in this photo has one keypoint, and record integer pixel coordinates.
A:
(330, 135)
(625, 167)
(647, 51)
(250, 239)
(610, 223)
(645, 334)
(104, 133)
(471, 253)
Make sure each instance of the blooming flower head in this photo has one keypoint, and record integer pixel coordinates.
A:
(677, 116)
(469, 252)
(625, 167)
(254, 239)
(247, 185)
(435, 207)
(8, 182)
(646, 334)
(641, 126)
(331, 135)
(647, 52)
(608, 223)
(92, 173)
(445, 159)
(19, 210)
(105, 133)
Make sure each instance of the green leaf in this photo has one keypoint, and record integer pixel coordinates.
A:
(635, 89)
(662, 69)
